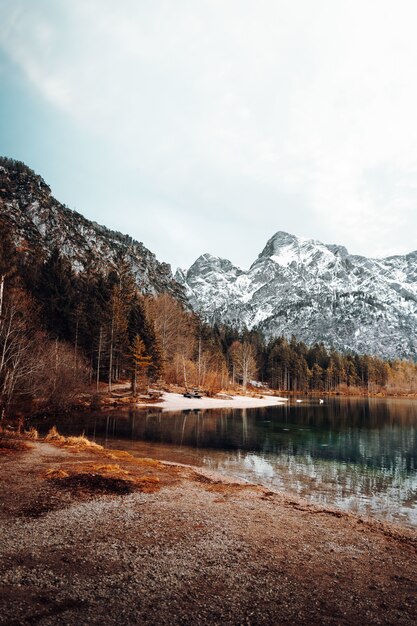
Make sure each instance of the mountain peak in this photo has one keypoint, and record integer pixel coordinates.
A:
(284, 248)
(317, 292)
(208, 262)
(280, 240)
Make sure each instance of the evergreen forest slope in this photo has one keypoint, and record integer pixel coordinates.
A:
(40, 224)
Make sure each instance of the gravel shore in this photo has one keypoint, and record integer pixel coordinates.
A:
(178, 545)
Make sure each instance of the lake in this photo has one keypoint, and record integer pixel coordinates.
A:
(355, 454)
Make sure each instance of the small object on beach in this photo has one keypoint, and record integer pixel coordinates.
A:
(321, 401)
(298, 400)
(192, 394)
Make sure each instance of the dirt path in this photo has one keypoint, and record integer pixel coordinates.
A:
(181, 546)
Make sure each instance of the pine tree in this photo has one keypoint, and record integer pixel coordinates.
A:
(140, 362)
(57, 292)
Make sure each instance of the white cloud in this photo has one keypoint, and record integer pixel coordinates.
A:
(268, 115)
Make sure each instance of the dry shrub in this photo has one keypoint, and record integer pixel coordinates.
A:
(80, 442)
(53, 435)
(32, 433)
(213, 383)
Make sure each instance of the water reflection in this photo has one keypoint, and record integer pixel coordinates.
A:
(356, 454)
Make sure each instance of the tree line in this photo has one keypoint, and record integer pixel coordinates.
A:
(62, 332)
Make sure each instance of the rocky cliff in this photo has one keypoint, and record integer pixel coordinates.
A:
(315, 291)
(40, 223)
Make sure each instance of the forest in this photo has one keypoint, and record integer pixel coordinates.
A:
(64, 333)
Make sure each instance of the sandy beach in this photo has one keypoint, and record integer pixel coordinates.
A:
(177, 402)
(90, 536)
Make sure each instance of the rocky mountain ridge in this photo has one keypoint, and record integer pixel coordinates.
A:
(295, 286)
(315, 291)
(40, 223)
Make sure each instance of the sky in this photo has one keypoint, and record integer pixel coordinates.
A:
(208, 126)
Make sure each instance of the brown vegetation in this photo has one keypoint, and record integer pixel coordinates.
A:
(34, 371)
(63, 334)
(78, 443)
(8, 444)
(101, 476)
(81, 544)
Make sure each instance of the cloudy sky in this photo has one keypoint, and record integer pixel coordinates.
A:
(209, 125)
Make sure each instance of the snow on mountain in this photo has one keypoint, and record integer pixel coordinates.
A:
(315, 291)
(40, 223)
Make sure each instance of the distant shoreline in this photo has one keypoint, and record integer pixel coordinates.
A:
(177, 402)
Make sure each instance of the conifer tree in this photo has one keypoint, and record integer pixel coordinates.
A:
(140, 362)
(56, 290)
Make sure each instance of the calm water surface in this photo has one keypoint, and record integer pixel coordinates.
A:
(356, 454)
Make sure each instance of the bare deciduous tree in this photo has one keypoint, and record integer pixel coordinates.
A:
(243, 357)
(33, 368)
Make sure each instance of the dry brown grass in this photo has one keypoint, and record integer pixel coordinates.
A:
(13, 444)
(120, 454)
(148, 462)
(32, 433)
(126, 456)
(88, 478)
(53, 473)
(14, 440)
(148, 484)
(53, 435)
(76, 443)
(97, 478)
(109, 469)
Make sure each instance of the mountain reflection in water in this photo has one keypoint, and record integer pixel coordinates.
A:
(355, 454)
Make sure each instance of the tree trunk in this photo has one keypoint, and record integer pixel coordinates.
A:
(111, 351)
(99, 358)
(1, 295)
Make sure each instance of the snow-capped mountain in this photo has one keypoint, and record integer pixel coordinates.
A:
(40, 223)
(315, 291)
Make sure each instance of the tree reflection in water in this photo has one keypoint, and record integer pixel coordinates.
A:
(355, 453)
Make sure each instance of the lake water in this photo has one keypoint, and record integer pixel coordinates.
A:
(355, 454)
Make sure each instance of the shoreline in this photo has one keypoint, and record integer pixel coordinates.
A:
(173, 401)
(97, 536)
(176, 402)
